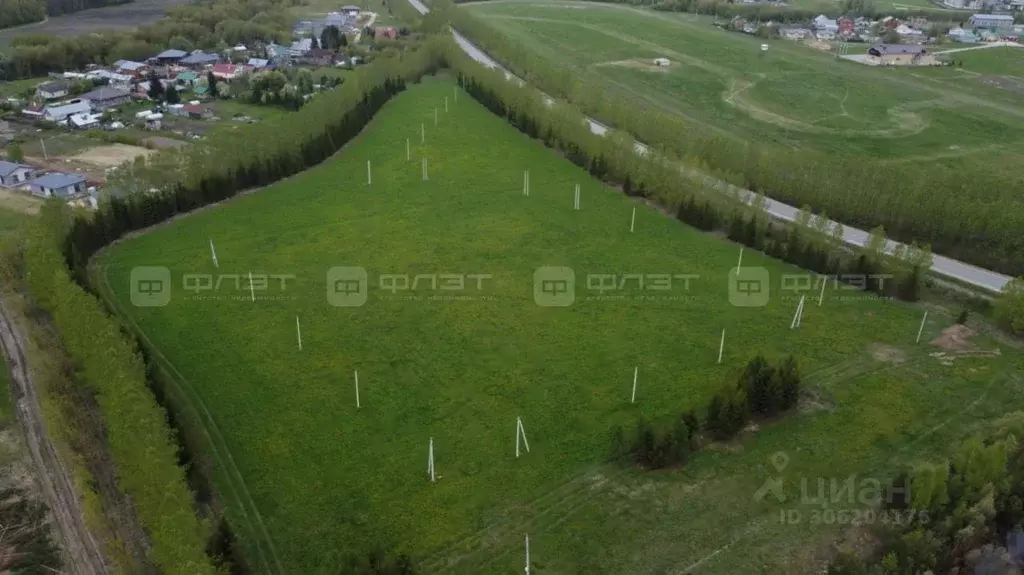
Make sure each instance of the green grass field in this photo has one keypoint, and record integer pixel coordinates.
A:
(793, 95)
(459, 365)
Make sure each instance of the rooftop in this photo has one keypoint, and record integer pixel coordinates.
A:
(57, 180)
(7, 168)
(104, 93)
(172, 54)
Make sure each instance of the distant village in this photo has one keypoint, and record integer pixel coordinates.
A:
(175, 84)
(893, 41)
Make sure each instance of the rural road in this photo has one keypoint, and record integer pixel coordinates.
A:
(987, 280)
(981, 47)
(82, 555)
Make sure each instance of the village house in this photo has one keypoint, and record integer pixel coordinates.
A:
(961, 35)
(351, 11)
(199, 60)
(845, 26)
(56, 184)
(197, 112)
(385, 32)
(59, 113)
(113, 79)
(317, 57)
(258, 63)
(15, 175)
(84, 121)
(991, 21)
(130, 68)
(230, 71)
(106, 97)
(171, 56)
(277, 53)
(795, 33)
(300, 47)
(823, 24)
(907, 32)
(53, 90)
(186, 79)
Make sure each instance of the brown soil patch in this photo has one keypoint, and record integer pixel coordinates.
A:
(110, 156)
(956, 337)
(640, 64)
(887, 354)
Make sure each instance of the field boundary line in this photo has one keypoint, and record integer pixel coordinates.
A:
(221, 452)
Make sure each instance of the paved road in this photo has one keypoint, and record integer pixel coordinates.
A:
(987, 280)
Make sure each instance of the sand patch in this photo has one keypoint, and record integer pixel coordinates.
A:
(955, 338)
(110, 156)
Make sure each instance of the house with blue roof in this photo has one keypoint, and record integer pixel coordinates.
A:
(13, 175)
(56, 184)
(171, 56)
(199, 59)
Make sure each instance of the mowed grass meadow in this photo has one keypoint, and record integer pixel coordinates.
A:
(792, 95)
(459, 365)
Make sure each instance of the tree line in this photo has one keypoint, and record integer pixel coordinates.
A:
(951, 210)
(809, 242)
(963, 515)
(109, 359)
(763, 391)
(217, 25)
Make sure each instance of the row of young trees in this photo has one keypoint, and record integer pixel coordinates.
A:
(809, 242)
(969, 212)
(763, 391)
(967, 512)
(108, 360)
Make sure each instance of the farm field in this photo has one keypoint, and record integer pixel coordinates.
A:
(459, 365)
(132, 15)
(792, 95)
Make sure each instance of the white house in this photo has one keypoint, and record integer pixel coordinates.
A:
(824, 24)
(114, 79)
(300, 47)
(53, 90)
(14, 175)
(85, 121)
(60, 113)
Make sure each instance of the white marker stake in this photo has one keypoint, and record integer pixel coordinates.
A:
(424, 169)
(800, 313)
(356, 372)
(739, 262)
(576, 198)
(921, 329)
(821, 296)
(252, 292)
(796, 316)
(430, 460)
(407, 155)
(520, 430)
(632, 220)
(527, 555)
(298, 332)
(636, 371)
(213, 253)
(369, 177)
(721, 347)
(423, 134)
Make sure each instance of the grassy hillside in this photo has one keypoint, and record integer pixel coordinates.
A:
(459, 360)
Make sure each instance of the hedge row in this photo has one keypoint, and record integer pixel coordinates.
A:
(809, 243)
(141, 442)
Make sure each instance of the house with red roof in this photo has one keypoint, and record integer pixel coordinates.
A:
(229, 71)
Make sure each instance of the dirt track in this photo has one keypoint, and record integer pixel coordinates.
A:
(81, 551)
